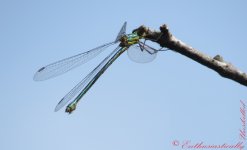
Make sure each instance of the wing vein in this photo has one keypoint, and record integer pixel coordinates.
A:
(65, 65)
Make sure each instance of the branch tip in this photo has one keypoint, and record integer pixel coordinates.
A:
(165, 39)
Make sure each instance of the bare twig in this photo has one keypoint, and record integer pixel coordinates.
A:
(166, 39)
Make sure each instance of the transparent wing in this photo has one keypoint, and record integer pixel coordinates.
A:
(90, 78)
(64, 65)
(121, 32)
(141, 53)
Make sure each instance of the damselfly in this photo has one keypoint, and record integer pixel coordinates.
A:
(137, 51)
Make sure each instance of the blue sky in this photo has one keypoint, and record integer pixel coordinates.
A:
(132, 106)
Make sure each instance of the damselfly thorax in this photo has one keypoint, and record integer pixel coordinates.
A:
(129, 39)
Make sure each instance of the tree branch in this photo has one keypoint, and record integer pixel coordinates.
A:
(166, 39)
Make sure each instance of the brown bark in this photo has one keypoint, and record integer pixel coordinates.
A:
(216, 63)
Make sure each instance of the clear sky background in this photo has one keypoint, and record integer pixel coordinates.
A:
(132, 106)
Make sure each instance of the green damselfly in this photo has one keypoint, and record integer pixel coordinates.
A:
(137, 51)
